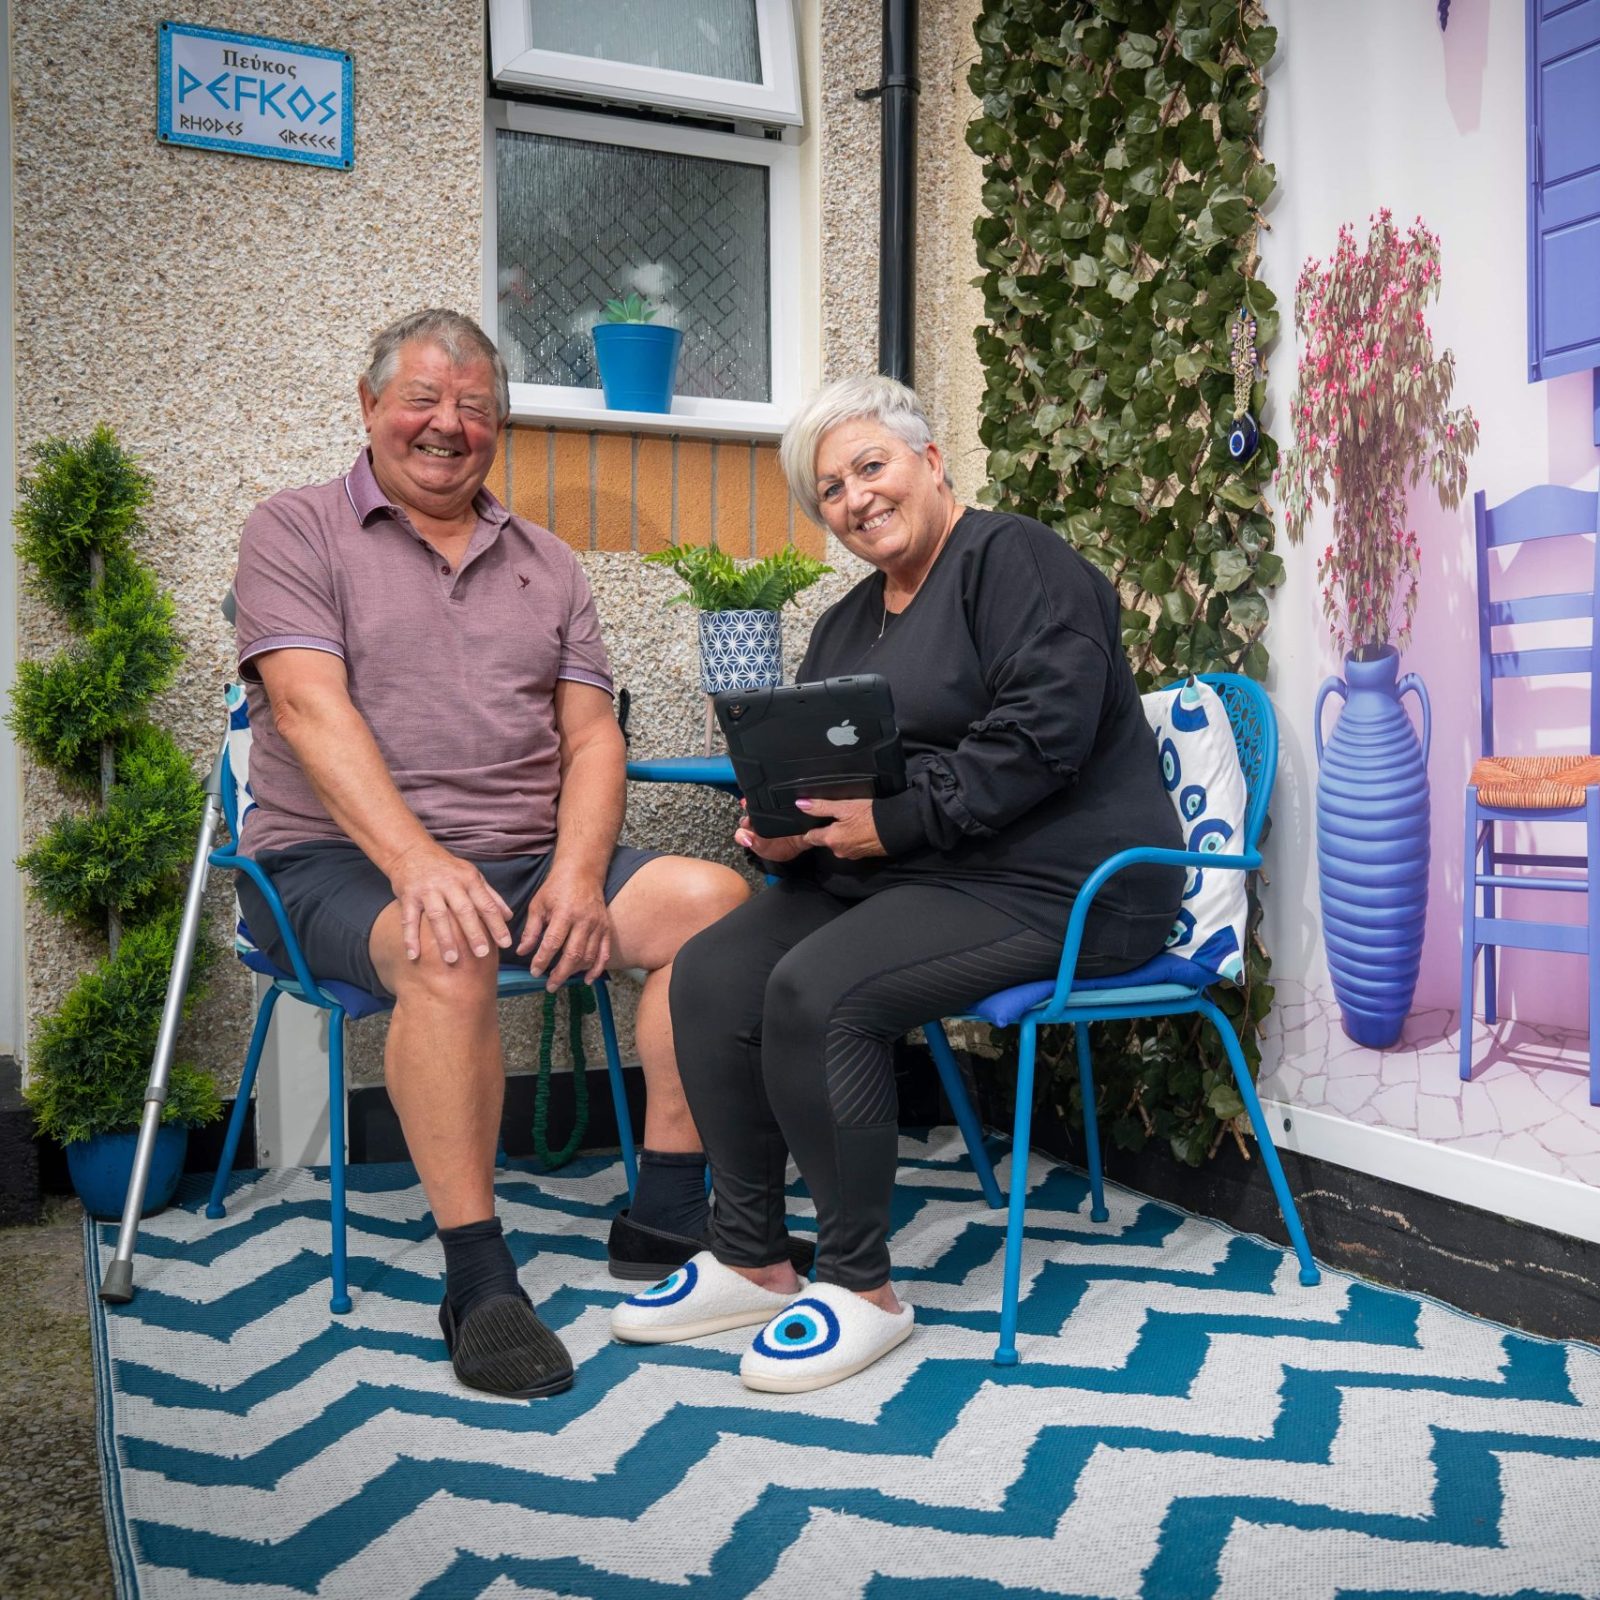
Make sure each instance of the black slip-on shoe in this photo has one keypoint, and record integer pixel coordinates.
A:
(647, 1255)
(502, 1347)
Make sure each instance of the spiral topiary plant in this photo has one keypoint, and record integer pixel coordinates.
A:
(1122, 197)
(118, 860)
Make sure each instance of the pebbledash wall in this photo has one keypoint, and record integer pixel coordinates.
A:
(215, 310)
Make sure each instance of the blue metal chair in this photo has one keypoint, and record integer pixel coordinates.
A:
(1527, 789)
(1152, 990)
(342, 1000)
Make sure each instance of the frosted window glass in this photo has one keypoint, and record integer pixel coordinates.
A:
(581, 223)
(715, 38)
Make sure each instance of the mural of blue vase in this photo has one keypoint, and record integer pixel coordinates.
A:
(740, 650)
(1372, 844)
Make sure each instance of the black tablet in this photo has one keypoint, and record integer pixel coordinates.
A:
(811, 741)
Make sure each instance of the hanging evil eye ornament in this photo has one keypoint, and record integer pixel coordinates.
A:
(1244, 436)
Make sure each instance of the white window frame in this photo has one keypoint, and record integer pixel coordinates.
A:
(517, 61)
(690, 413)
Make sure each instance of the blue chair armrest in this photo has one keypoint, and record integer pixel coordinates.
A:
(1140, 855)
(232, 861)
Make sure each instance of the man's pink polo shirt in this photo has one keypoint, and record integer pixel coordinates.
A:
(454, 668)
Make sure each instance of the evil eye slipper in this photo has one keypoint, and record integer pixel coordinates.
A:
(828, 1333)
(702, 1297)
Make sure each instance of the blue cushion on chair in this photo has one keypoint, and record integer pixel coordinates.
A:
(1172, 974)
(357, 1003)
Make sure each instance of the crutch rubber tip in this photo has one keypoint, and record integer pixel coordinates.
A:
(116, 1288)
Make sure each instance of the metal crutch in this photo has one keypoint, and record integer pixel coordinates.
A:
(117, 1286)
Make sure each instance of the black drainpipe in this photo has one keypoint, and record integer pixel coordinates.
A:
(897, 224)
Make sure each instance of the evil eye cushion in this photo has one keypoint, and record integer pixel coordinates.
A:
(244, 800)
(1200, 768)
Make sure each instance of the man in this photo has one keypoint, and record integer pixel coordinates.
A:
(438, 777)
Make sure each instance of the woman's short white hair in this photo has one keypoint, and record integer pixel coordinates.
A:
(883, 400)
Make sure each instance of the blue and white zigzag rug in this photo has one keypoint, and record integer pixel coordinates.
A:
(1187, 1421)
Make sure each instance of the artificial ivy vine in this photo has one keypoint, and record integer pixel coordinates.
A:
(1122, 197)
(117, 861)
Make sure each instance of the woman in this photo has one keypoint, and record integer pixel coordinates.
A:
(1028, 762)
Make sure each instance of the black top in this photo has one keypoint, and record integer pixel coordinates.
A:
(1028, 757)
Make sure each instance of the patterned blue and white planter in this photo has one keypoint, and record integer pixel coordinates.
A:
(740, 650)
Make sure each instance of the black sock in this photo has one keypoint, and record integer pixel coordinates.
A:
(671, 1193)
(477, 1265)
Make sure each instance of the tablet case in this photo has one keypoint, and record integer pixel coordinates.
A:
(830, 740)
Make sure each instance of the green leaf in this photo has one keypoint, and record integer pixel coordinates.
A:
(1229, 568)
(1260, 44)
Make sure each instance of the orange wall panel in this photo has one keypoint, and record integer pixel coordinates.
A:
(694, 492)
(613, 491)
(654, 494)
(572, 490)
(733, 499)
(772, 502)
(530, 474)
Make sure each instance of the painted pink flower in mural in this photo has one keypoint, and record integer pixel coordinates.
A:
(1359, 446)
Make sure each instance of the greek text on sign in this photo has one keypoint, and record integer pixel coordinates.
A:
(256, 97)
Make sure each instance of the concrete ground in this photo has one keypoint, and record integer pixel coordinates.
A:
(52, 1532)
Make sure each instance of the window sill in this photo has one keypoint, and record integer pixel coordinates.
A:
(700, 419)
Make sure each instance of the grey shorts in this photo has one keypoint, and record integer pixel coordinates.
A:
(332, 895)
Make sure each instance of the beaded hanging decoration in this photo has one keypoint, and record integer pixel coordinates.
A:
(1244, 435)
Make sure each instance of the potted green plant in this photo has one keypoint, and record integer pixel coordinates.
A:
(116, 861)
(741, 633)
(637, 356)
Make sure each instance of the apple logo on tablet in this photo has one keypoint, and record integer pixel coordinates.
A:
(845, 733)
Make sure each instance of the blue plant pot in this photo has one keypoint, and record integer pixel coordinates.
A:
(638, 363)
(1372, 845)
(740, 650)
(102, 1167)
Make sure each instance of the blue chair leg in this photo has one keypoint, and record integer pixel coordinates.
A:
(1309, 1272)
(955, 1091)
(241, 1104)
(1592, 831)
(1005, 1354)
(340, 1303)
(1091, 1126)
(1469, 934)
(1491, 953)
(619, 1097)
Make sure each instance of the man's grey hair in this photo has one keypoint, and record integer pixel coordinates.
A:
(874, 397)
(459, 337)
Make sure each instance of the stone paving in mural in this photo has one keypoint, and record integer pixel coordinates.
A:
(1527, 1103)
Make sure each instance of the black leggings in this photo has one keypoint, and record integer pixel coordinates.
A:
(784, 1014)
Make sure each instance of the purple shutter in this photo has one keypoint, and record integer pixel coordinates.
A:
(1563, 188)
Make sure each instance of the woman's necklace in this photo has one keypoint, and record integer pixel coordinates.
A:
(883, 595)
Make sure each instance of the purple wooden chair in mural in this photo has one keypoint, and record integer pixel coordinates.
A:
(1532, 789)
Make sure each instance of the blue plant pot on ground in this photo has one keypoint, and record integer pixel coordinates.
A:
(101, 1168)
(638, 364)
(1372, 845)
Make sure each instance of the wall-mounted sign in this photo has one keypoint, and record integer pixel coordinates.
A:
(256, 97)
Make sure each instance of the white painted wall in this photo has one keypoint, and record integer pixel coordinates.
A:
(11, 1027)
(1370, 105)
